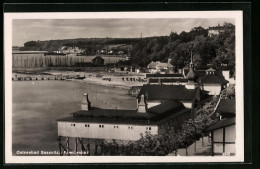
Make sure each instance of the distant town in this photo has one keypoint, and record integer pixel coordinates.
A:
(183, 86)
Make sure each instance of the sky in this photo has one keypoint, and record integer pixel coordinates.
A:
(51, 29)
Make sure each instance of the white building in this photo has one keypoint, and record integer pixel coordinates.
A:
(121, 125)
(212, 83)
(215, 30)
(157, 94)
(223, 133)
(159, 67)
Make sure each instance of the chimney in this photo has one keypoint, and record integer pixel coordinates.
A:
(169, 61)
(142, 105)
(85, 104)
(159, 81)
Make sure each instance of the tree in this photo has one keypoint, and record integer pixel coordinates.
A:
(229, 91)
(30, 43)
(172, 139)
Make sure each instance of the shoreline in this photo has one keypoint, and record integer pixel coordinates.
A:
(115, 81)
(95, 83)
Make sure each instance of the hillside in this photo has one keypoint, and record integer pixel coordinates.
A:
(215, 49)
(90, 45)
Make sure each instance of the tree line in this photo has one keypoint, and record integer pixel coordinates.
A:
(89, 45)
(215, 49)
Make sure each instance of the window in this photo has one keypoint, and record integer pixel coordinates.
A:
(148, 128)
(116, 127)
(130, 127)
(73, 124)
(86, 125)
(101, 126)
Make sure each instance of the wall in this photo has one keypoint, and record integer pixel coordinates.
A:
(213, 32)
(166, 83)
(218, 140)
(26, 59)
(187, 104)
(213, 89)
(152, 103)
(226, 74)
(108, 132)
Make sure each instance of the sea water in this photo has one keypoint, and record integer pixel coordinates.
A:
(38, 104)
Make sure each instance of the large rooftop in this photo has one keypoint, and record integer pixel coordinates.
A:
(227, 107)
(165, 75)
(168, 109)
(181, 80)
(168, 92)
(223, 123)
(213, 79)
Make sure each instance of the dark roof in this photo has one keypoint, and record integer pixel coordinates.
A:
(186, 71)
(213, 79)
(222, 123)
(152, 65)
(98, 57)
(165, 107)
(109, 113)
(103, 120)
(166, 110)
(168, 80)
(216, 28)
(168, 92)
(227, 106)
(191, 74)
(200, 73)
(154, 115)
(210, 70)
(56, 54)
(164, 75)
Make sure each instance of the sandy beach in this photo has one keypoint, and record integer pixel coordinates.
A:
(119, 80)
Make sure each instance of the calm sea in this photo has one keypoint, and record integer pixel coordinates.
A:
(37, 105)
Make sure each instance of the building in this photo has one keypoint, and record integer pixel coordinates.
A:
(121, 125)
(70, 50)
(213, 83)
(209, 80)
(216, 30)
(158, 94)
(166, 79)
(120, 52)
(223, 133)
(159, 67)
(98, 61)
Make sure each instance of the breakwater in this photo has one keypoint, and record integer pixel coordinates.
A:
(46, 77)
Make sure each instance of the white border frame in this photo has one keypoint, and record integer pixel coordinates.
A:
(237, 15)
